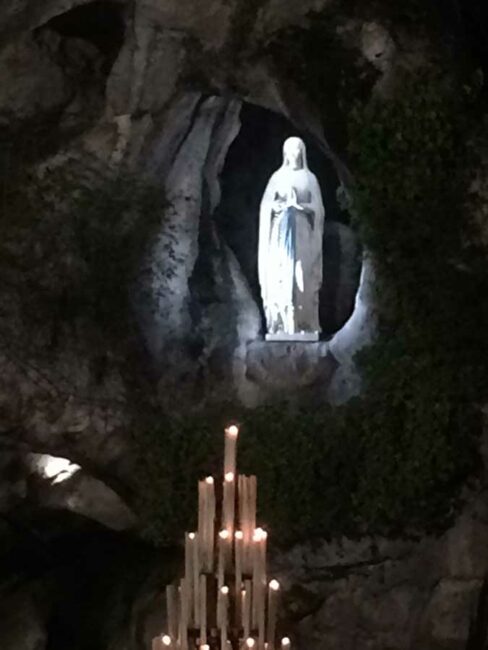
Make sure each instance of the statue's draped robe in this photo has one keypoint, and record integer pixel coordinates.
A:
(290, 251)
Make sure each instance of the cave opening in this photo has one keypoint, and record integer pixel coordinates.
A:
(253, 156)
(100, 22)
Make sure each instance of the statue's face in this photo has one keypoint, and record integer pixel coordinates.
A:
(293, 154)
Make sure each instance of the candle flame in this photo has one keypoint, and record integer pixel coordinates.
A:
(259, 535)
(224, 590)
(229, 477)
(274, 585)
(239, 534)
(250, 642)
(233, 430)
(191, 535)
(209, 480)
(224, 534)
(166, 639)
(285, 641)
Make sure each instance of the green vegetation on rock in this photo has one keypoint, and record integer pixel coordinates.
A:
(73, 236)
(394, 459)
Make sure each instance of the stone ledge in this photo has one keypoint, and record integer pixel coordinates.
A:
(288, 367)
(302, 337)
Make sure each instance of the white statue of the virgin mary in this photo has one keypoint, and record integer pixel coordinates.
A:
(291, 225)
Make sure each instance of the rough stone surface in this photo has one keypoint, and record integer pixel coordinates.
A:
(398, 594)
(166, 107)
(359, 331)
(74, 490)
(288, 369)
(23, 615)
(146, 72)
(32, 81)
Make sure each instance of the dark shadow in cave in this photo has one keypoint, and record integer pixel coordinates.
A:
(254, 155)
(100, 22)
(89, 576)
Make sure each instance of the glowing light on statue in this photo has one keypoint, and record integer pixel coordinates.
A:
(291, 223)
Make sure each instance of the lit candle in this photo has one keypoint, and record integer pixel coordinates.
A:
(202, 511)
(210, 522)
(228, 506)
(166, 639)
(273, 595)
(206, 522)
(224, 615)
(231, 434)
(239, 538)
(261, 626)
(171, 611)
(246, 608)
(224, 540)
(285, 643)
(203, 610)
(250, 642)
(247, 517)
(259, 574)
(189, 573)
(196, 583)
(183, 637)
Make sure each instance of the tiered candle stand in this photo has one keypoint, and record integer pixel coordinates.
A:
(224, 601)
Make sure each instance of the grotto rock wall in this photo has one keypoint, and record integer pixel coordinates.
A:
(165, 104)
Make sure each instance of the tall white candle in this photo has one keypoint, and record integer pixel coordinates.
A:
(196, 582)
(202, 506)
(171, 611)
(246, 609)
(231, 434)
(189, 573)
(259, 574)
(247, 517)
(273, 596)
(224, 617)
(203, 610)
(238, 540)
(206, 523)
(223, 544)
(261, 625)
(183, 636)
(228, 506)
(210, 522)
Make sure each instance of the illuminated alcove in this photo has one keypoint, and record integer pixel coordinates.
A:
(253, 156)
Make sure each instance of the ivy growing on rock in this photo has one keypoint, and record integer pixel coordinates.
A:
(73, 235)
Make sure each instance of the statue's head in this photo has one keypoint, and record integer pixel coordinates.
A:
(294, 153)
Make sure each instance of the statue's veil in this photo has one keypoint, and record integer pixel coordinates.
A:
(303, 150)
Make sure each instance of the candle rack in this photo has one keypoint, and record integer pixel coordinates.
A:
(225, 600)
